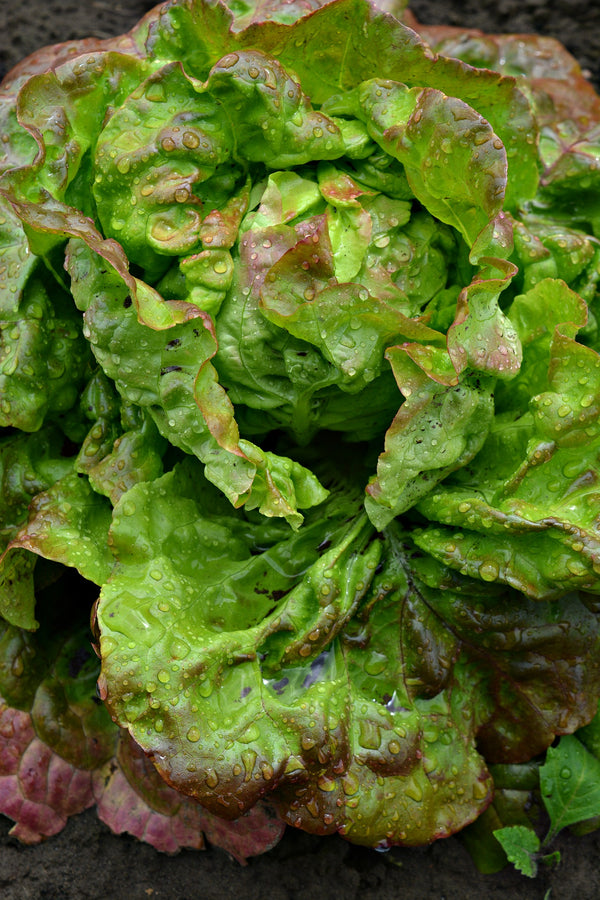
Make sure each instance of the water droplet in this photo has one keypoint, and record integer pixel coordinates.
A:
(17, 667)
(249, 761)
(382, 241)
(228, 61)
(413, 790)
(190, 140)
(267, 771)
(212, 779)
(252, 733)
(376, 663)
(571, 469)
(179, 649)
(488, 571)
(193, 734)
(155, 92)
(350, 785)
(369, 735)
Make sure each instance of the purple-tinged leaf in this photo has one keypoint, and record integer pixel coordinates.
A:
(38, 789)
(131, 796)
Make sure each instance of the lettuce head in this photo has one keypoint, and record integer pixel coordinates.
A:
(300, 382)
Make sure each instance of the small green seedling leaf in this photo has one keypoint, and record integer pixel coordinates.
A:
(570, 783)
(521, 845)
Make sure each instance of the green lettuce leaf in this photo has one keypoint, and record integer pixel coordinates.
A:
(345, 733)
(524, 512)
(60, 753)
(440, 427)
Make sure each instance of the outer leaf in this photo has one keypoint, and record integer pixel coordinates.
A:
(589, 736)
(178, 27)
(16, 258)
(570, 152)
(29, 463)
(38, 789)
(565, 103)
(69, 524)
(58, 748)
(53, 731)
(18, 149)
(502, 633)
(249, 13)
(323, 713)
(55, 218)
(536, 528)
(16, 582)
(76, 95)
(257, 748)
(131, 797)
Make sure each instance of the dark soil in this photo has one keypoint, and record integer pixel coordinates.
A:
(86, 861)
